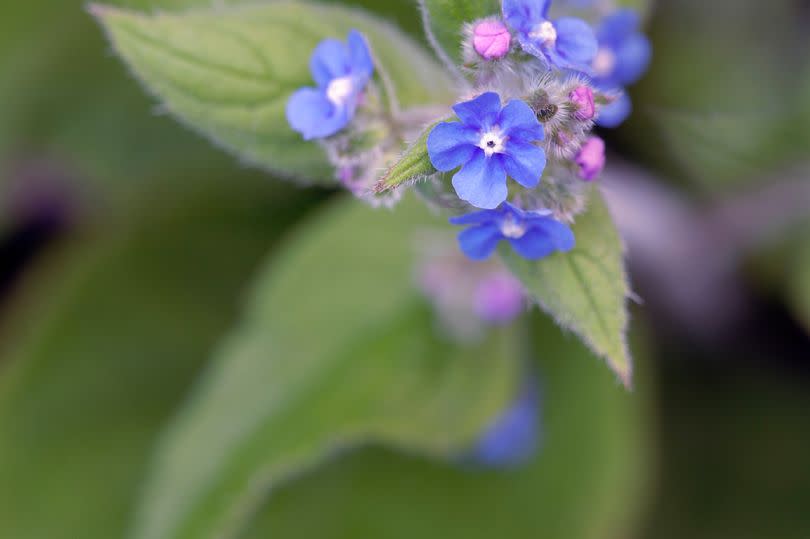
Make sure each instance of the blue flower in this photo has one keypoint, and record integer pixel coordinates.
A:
(341, 72)
(613, 115)
(623, 57)
(566, 43)
(532, 234)
(512, 439)
(488, 143)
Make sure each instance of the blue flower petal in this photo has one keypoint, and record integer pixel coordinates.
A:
(576, 42)
(536, 49)
(533, 245)
(450, 145)
(617, 112)
(330, 60)
(310, 113)
(616, 26)
(479, 242)
(558, 234)
(524, 163)
(632, 59)
(522, 15)
(482, 181)
(481, 112)
(513, 437)
(519, 214)
(518, 116)
(360, 55)
(476, 217)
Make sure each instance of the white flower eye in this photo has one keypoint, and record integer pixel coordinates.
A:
(510, 228)
(545, 32)
(492, 142)
(604, 62)
(339, 91)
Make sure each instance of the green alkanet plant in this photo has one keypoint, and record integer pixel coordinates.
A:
(496, 135)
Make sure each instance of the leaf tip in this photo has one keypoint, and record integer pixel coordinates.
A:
(622, 366)
(382, 184)
(99, 11)
(625, 376)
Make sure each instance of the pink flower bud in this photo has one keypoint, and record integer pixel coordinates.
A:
(499, 298)
(591, 158)
(582, 98)
(491, 39)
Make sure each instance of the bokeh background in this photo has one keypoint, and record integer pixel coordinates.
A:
(126, 243)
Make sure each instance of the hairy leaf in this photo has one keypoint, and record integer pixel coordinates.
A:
(336, 350)
(585, 289)
(413, 165)
(227, 72)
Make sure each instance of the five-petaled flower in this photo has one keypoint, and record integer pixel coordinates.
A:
(532, 234)
(488, 143)
(565, 43)
(341, 71)
(623, 56)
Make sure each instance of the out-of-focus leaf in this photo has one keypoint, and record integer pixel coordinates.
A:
(587, 482)
(444, 22)
(65, 100)
(335, 351)
(720, 136)
(798, 287)
(228, 72)
(105, 340)
(585, 290)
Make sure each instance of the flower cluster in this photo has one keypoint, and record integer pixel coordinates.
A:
(512, 164)
(516, 159)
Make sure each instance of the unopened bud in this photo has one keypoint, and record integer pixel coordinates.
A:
(591, 158)
(491, 39)
(582, 98)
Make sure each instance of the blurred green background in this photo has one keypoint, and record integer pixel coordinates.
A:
(127, 243)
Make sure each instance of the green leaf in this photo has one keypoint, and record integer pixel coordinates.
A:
(412, 166)
(589, 480)
(585, 289)
(336, 350)
(104, 340)
(228, 72)
(78, 128)
(444, 23)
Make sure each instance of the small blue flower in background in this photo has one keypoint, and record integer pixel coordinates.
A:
(616, 113)
(513, 438)
(566, 43)
(488, 143)
(623, 56)
(341, 71)
(532, 234)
